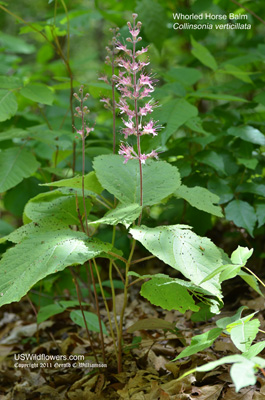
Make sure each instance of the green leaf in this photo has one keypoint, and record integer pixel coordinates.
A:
(242, 214)
(237, 73)
(39, 256)
(182, 249)
(203, 54)
(230, 273)
(211, 365)
(221, 188)
(260, 98)
(175, 113)
(48, 311)
(220, 270)
(153, 17)
(15, 164)
(91, 183)
(241, 255)
(57, 206)
(251, 281)
(251, 187)
(200, 198)
(223, 322)
(249, 163)
(15, 133)
(244, 334)
(33, 228)
(122, 214)
(212, 159)
(15, 44)
(10, 82)
(248, 133)
(8, 104)
(39, 93)
(151, 323)
(254, 350)
(187, 76)
(91, 321)
(260, 211)
(216, 96)
(160, 179)
(200, 342)
(168, 294)
(243, 374)
(5, 229)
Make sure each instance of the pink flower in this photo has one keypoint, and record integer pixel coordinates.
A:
(123, 48)
(139, 52)
(145, 93)
(124, 80)
(124, 109)
(106, 100)
(88, 130)
(130, 128)
(150, 129)
(104, 78)
(146, 80)
(147, 109)
(127, 153)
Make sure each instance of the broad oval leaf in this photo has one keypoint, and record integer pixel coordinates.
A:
(122, 214)
(91, 321)
(195, 257)
(8, 104)
(160, 179)
(55, 205)
(38, 256)
(248, 133)
(242, 214)
(203, 54)
(91, 183)
(15, 164)
(200, 198)
(39, 93)
(168, 294)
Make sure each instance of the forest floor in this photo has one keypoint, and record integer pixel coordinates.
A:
(148, 370)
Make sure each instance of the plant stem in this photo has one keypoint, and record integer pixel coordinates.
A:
(84, 318)
(126, 285)
(142, 259)
(248, 10)
(118, 271)
(106, 307)
(98, 313)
